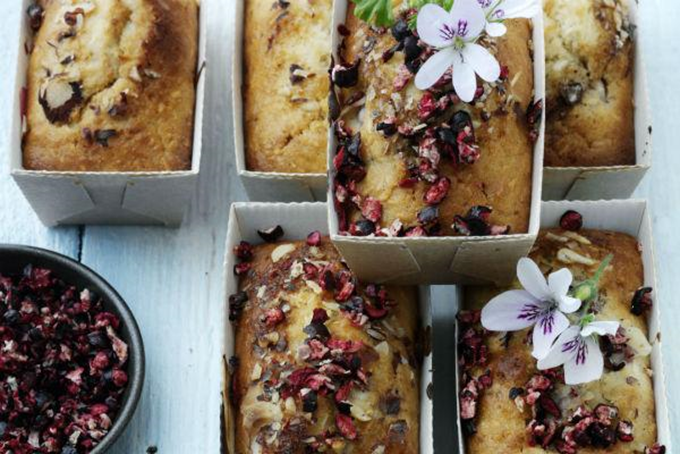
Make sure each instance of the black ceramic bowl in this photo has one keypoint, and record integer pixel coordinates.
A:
(13, 259)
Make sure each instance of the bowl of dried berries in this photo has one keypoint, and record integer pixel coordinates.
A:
(71, 356)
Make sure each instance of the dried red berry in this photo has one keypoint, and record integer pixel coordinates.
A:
(426, 106)
(571, 220)
(237, 303)
(35, 14)
(314, 238)
(534, 118)
(656, 449)
(438, 191)
(273, 317)
(244, 251)
(642, 301)
(242, 268)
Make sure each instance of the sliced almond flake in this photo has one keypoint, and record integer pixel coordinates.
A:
(314, 286)
(296, 269)
(261, 291)
(257, 372)
(282, 251)
(383, 349)
(565, 255)
(576, 237)
(559, 238)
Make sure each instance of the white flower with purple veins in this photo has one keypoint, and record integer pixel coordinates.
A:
(454, 35)
(578, 348)
(541, 304)
(497, 11)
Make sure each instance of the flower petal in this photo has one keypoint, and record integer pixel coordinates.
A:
(547, 329)
(531, 278)
(482, 61)
(559, 283)
(464, 79)
(467, 16)
(434, 68)
(496, 29)
(600, 328)
(432, 19)
(587, 370)
(558, 355)
(511, 311)
(520, 8)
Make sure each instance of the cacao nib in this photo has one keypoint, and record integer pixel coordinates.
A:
(572, 93)
(388, 128)
(476, 223)
(59, 372)
(390, 404)
(237, 303)
(348, 162)
(534, 118)
(363, 227)
(400, 30)
(309, 402)
(411, 48)
(272, 234)
(642, 301)
(295, 77)
(102, 136)
(35, 14)
(571, 220)
(515, 392)
(58, 99)
(428, 215)
(314, 238)
(345, 76)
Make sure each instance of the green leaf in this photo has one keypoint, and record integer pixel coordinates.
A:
(377, 12)
(417, 4)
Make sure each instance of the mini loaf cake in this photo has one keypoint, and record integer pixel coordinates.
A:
(322, 363)
(111, 85)
(589, 67)
(286, 47)
(413, 162)
(509, 405)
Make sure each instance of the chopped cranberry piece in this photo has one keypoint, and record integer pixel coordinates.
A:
(416, 231)
(346, 426)
(656, 449)
(371, 209)
(534, 118)
(273, 317)
(642, 301)
(571, 220)
(346, 284)
(624, 430)
(438, 191)
(242, 268)
(426, 106)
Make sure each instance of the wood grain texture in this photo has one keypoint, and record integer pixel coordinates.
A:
(172, 279)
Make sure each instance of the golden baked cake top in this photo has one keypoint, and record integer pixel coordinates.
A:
(417, 154)
(286, 56)
(589, 75)
(111, 85)
(322, 362)
(578, 377)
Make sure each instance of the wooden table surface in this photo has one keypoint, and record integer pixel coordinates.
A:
(172, 278)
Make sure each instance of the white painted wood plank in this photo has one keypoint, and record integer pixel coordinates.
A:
(659, 34)
(172, 279)
(18, 223)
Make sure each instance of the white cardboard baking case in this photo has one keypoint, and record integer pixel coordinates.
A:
(265, 186)
(298, 220)
(631, 217)
(105, 197)
(442, 260)
(614, 182)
